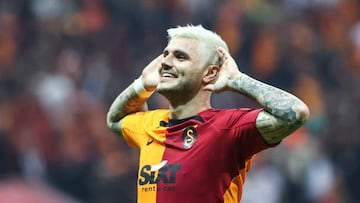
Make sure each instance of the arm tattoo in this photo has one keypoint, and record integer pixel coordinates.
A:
(283, 112)
(127, 102)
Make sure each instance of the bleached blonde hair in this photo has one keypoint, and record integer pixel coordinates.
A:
(208, 40)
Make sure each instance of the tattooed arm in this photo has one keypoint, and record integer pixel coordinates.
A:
(283, 112)
(134, 97)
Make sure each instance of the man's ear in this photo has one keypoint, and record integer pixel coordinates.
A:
(212, 72)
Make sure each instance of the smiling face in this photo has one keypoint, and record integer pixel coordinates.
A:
(182, 68)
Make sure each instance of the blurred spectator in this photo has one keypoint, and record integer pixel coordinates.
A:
(267, 180)
(19, 191)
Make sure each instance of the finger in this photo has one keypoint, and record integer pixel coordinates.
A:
(221, 51)
(224, 55)
(159, 57)
(209, 87)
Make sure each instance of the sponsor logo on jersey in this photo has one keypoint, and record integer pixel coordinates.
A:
(189, 137)
(160, 172)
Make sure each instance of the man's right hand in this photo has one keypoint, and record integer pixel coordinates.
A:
(150, 75)
(228, 72)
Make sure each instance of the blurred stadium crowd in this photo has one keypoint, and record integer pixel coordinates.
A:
(62, 62)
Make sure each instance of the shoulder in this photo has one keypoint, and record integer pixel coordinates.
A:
(231, 117)
(151, 113)
(227, 112)
(145, 117)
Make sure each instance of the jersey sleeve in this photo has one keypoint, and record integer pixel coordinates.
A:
(138, 127)
(132, 129)
(248, 138)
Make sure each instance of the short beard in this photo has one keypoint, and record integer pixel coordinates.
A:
(176, 94)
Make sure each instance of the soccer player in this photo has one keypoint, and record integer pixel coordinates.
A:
(192, 152)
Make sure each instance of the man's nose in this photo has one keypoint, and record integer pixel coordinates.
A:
(166, 62)
(165, 66)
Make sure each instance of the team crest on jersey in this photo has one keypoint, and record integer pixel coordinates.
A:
(189, 137)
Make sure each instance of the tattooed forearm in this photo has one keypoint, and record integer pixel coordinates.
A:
(127, 102)
(284, 112)
(276, 101)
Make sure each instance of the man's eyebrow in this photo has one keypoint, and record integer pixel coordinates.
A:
(178, 51)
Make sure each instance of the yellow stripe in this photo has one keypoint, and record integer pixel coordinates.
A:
(151, 154)
(234, 192)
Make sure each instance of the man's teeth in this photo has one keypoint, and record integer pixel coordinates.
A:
(167, 75)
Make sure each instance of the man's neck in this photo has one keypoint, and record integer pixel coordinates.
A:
(188, 109)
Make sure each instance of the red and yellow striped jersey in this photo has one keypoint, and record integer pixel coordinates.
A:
(200, 159)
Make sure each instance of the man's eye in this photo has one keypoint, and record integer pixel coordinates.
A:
(165, 53)
(181, 57)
